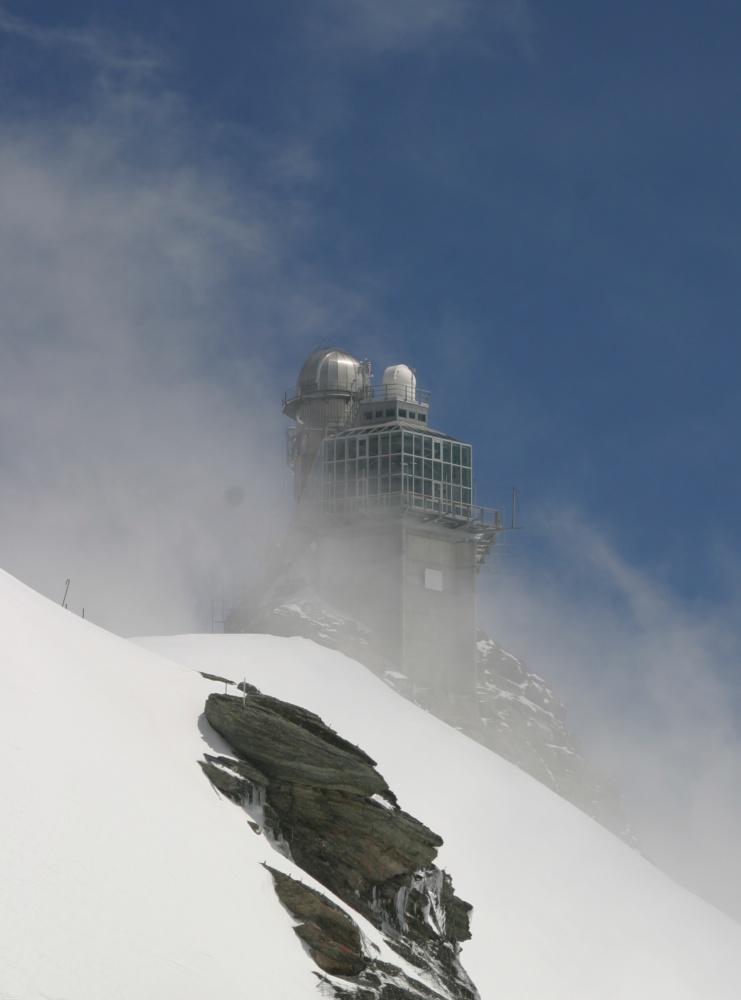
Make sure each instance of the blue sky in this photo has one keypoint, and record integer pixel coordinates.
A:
(538, 208)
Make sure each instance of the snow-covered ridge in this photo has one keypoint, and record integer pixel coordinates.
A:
(123, 873)
(515, 713)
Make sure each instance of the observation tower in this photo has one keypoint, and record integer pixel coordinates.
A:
(387, 532)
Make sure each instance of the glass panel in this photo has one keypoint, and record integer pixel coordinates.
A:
(350, 488)
(466, 477)
(408, 444)
(402, 413)
(437, 471)
(384, 465)
(417, 444)
(436, 449)
(427, 447)
(362, 446)
(457, 493)
(351, 448)
(428, 468)
(466, 455)
(383, 483)
(456, 454)
(446, 451)
(384, 444)
(422, 417)
(396, 463)
(373, 485)
(456, 474)
(428, 488)
(340, 448)
(396, 444)
(396, 484)
(329, 451)
(373, 444)
(446, 473)
(466, 496)
(372, 466)
(417, 485)
(340, 470)
(417, 466)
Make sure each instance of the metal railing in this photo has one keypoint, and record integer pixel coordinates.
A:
(402, 393)
(374, 393)
(451, 511)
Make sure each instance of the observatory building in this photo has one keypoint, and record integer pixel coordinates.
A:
(387, 531)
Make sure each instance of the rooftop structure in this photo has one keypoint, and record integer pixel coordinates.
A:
(387, 532)
(392, 533)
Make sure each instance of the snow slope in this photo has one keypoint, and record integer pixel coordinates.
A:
(123, 874)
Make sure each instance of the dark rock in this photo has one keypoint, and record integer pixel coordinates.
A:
(322, 799)
(215, 677)
(332, 936)
(290, 744)
(236, 789)
(249, 688)
(237, 779)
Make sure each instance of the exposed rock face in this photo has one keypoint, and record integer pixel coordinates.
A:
(332, 937)
(320, 798)
(514, 712)
(524, 722)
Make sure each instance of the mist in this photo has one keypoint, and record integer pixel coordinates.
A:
(648, 681)
(154, 305)
(149, 299)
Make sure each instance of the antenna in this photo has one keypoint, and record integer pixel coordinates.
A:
(514, 506)
(65, 594)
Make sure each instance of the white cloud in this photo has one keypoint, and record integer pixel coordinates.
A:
(147, 297)
(388, 25)
(648, 678)
(107, 52)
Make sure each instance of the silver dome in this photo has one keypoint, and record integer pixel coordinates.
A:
(330, 369)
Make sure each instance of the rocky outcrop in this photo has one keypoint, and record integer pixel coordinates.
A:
(320, 799)
(525, 722)
(513, 711)
(332, 937)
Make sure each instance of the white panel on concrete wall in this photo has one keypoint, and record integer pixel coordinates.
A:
(434, 579)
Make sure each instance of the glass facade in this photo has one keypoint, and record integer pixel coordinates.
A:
(394, 461)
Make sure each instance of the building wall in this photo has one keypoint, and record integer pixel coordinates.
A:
(413, 583)
(439, 607)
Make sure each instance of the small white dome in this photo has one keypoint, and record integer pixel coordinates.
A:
(399, 382)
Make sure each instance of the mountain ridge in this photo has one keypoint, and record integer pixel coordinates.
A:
(123, 870)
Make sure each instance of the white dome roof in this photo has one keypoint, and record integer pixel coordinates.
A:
(399, 382)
